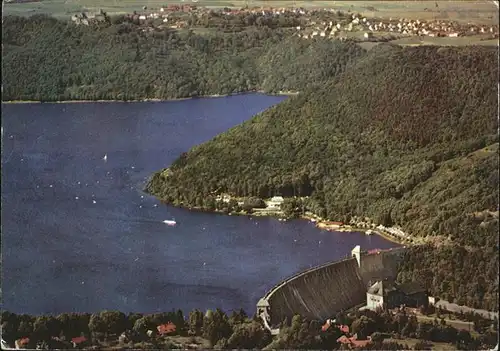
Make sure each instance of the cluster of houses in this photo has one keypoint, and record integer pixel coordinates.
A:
(312, 28)
(402, 26)
(382, 294)
(82, 342)
(393, 231)
(348, 340)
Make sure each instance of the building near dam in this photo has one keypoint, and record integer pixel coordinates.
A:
(321, 292)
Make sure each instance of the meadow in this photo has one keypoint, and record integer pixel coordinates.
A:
(480, 11)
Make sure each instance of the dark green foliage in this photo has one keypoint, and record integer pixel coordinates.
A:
(237, 317)
(293, 207)
(216, 327)
(251, 335)
(45, 327)
(46, 59)
(195, 322)
(405, 136)
(245, 333)
(74, 324)
(108, 322)
(297, 336)
(253, 202)
(363, 327)
(468, 276)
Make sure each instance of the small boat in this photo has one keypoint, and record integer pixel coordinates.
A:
(105, 158)
(170, 222)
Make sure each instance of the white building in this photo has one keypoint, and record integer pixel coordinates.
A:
(275, 202)
(375, 296)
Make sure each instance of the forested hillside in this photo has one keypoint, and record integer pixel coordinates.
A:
(406, 137)
(45, 59)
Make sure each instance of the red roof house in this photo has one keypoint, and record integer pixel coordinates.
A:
(344, 328)
(22, 343)
(78, 340)
(353, 341)
(166, 328)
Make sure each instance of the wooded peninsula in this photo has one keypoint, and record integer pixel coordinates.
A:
(404, 136)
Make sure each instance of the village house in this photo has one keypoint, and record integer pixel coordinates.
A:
(223, 198)
(22, 343)
(386, 294)
(353, 342)
(86, 18)
(165, 329)
(275, 202)
(79, 341)
(329, 323)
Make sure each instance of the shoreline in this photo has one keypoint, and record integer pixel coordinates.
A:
(319, 223)
(281, 93)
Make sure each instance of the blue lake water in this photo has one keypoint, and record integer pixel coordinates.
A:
(79, 235)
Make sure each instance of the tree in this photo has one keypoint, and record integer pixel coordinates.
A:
(216, 326)
(363, 326)
(329, 338)
(73, 324)
(140, 327)
(45, 327)
(195, 322)
(237, 317)
(108, 322)
(10, 325)
(251, 335)
(292, 207)
(253, 202)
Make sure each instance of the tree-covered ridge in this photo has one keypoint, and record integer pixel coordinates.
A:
(46, 59)
(467, 276)
(356, 155)
(406, 137)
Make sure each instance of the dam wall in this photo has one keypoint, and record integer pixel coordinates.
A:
(317, 293)
(379, 264)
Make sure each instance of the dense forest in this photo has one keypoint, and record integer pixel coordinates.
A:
(405, 136)
(215, 329)
(45, 59)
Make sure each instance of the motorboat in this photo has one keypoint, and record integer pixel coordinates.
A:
(170, 222)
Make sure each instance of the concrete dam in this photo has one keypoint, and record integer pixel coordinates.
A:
(320, 292)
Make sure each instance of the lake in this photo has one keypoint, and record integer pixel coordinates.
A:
(80, 235)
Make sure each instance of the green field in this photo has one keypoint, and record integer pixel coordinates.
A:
(481, 11)
(444, 41)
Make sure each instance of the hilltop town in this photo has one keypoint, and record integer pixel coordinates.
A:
(303, 22)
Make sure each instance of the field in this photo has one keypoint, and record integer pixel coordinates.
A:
(444, 41)
(479, 11)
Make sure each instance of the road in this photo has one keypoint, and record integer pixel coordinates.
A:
(452, 307)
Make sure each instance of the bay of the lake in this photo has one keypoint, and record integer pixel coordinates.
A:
(78, 233)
